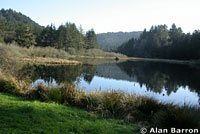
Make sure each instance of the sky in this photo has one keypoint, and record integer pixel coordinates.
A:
(111, 15)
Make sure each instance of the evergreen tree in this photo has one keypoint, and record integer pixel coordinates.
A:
(195, 45)
(61, 35)
(47, 37)
(12, 21)
(72, 34)
(2, 28)
(175, 34)
(9, 36)
(68, 36)
(82, 40)
(25, 37)
(91, 39)
(159, 42)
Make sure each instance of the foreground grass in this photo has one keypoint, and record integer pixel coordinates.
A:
(19, 116)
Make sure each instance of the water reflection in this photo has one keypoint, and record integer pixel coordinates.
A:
(60, 74)
(166, 82)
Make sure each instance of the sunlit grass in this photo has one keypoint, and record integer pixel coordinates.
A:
(19, 116)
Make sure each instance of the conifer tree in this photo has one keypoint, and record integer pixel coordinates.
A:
(24, 36)
(2, 28)
(91, 39)
(47, 37)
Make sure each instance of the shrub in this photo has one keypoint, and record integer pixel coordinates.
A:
(54, 94)
(39, 93)
(95, 101)
(47, 52)
(8, 85)
(177, 117)
(114, 102)
(68, 93)
(147, 107)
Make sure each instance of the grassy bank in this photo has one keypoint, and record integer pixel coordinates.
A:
(17, 52)
(115, 104)
(11, 54)
(19, 116)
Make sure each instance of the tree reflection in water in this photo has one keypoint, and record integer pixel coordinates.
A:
(154, 76)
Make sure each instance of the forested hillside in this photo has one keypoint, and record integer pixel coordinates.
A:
(18, 28)
(111, 40)
(11, 22)
(161, 42)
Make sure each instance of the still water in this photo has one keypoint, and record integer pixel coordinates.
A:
(168, 83)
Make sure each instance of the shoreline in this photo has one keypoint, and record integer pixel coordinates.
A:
(42, 60)
(172, 61)
(163, 60)
(75, 60)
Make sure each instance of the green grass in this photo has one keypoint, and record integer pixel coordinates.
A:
(19, 116)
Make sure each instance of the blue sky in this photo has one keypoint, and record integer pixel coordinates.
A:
(111, 15)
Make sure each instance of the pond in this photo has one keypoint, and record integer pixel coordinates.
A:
(168, 83)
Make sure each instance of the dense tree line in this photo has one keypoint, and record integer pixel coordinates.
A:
(67, 36)
(159, 42)
(15, 27)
